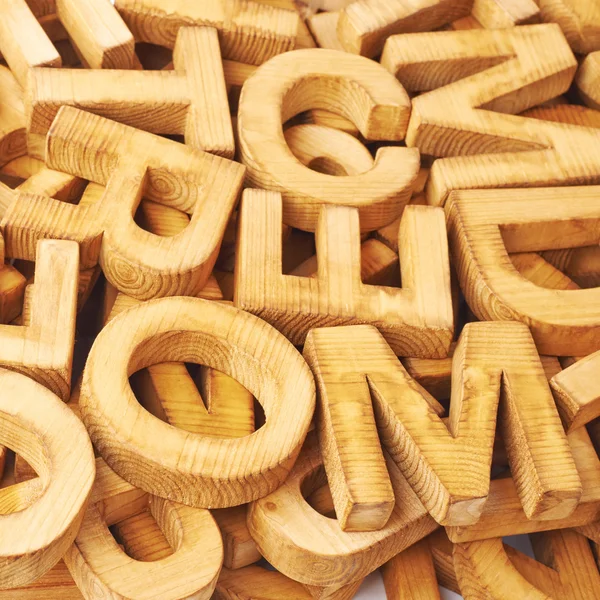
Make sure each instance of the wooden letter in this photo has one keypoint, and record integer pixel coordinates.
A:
(101, 568)
(577, 392)
(579, 20)
(249, 32)
(416, 321)
(364, 25)
(190, 100)
(470, 118)
(361, 91)
(290, 534)
(490, 361)
(484, 226)
(186, 467)
(34, 423)
(503, 513)
(43, 348)
(489, 569)
(130, 163)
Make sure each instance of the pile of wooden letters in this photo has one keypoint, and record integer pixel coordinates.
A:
(295, 291)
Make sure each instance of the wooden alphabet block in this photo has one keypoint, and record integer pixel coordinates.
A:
(410, 427)
(484, 226)
(249, 32)
(364, 25)
(338, 296)
(361, 91)
(43, 349)
(191, 100)
(36, 425)
(588, 79)
(290, 534)
(480, 76)
(489, 569)
(577, 392)
(100, 567)
(503, 513)
(208, 333)
(130, 163)
(578, 19)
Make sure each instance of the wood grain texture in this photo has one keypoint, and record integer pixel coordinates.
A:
(577, 392)
(98, 33)
(23, 42)
(258, 583)
(416, 321)
(410, 427)
(582, 265)
(239, 547)
(13, 141)
(56, 583)
(43, 349)
(191, 100)
(481, 78)
(488, 569)
(168, 551)
(566, 113)
(503, 513)
(12, 291)
(502, 14)
(48, 435)
(356, 471)
(364, 25)
(102, 569)
(578, 19)
(130, 163)
(484, 226)
(410, 575)
(249, 32)
(588, 80)
(358, 89)
(327, 150)
(291, 535)
(197, 470)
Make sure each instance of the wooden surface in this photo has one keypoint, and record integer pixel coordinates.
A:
(361, 91)
(338, 296)
(290, 534)
(191, 100)
(44, 432)
(164, 171)
(285, 389)
(486, 144)
(206, 185)
(250, 32)
(484, 226)
(43, 347)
